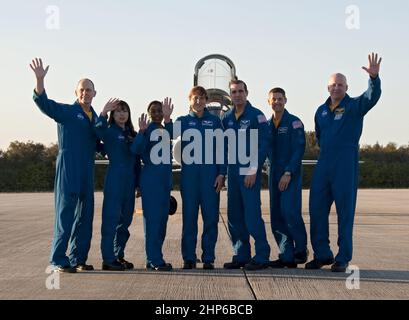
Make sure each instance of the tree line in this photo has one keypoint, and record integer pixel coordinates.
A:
(30, 167)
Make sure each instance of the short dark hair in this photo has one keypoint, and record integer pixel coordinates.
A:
(237, 81)
(277, 90)
(154, 103)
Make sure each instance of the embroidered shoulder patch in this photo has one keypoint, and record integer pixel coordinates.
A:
(261, 118)
(297, 124)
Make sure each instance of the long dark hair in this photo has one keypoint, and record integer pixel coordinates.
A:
(122, 105)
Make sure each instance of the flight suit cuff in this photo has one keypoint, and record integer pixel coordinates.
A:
(288, 169)
(39, 96)
(252, 171)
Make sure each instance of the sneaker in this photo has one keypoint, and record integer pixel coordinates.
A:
(208, 266)
(127, 265)
(279, 264)
(113, 266)
(253, 266)
(339, 266)
(162, 267)
(234, 265)
(84, 267)
(189, 265)
(68, 269)
(318, 264)
(301, 257)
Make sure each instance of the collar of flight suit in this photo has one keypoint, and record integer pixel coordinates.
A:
(152, 126)
(284, 119)
(245, 111)
(205, 114)
(342, 104)
(94, 115)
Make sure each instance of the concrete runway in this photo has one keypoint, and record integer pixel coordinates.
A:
(381, 252)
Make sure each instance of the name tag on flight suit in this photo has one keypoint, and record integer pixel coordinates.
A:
(339, 113)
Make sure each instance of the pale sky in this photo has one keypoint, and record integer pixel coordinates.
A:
(146, 50)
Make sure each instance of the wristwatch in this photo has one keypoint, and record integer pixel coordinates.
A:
(287, 173)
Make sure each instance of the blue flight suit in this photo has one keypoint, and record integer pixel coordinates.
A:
(197, 187)
(155, 185)
(287, 224)
(336, 174)
(244, 204)
(74, 180)
(119, 189)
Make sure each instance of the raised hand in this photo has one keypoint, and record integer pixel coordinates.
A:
(111, 105)
(40, 73)
(143, 122)
(374, 65)
(37, 66)
(167, 109)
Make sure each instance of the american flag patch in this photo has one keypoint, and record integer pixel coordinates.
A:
(297, 124)
(261, 118)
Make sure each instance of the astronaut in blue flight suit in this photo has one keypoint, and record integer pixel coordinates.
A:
(244, 180)
(117, 133)
(285, 183)
(74, 180)
(338, 127)
(201, 180)
(152, 143)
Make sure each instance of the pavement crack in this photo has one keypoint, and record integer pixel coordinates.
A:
(244, 272)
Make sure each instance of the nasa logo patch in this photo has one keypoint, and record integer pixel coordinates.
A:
(207, 123)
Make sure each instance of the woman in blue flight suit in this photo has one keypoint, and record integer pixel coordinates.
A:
(119, 189)
(200, 182)
(155, 181)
